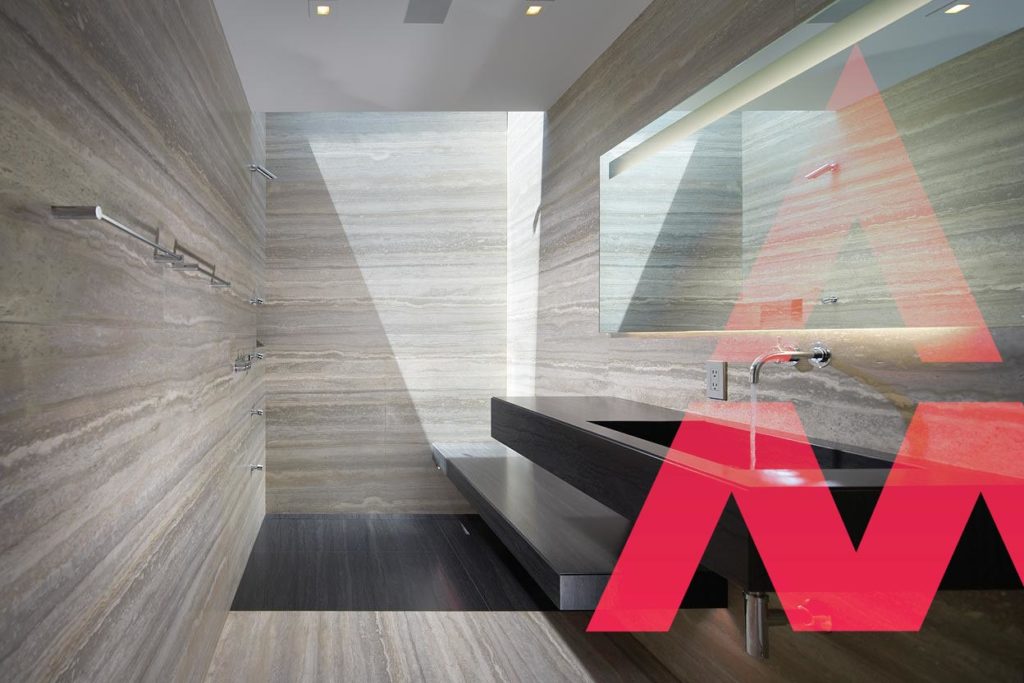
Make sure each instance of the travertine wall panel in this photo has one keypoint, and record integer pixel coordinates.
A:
(127, 508)
(385, 315)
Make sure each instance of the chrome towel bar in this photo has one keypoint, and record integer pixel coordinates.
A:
(95, 213)
(160, 254)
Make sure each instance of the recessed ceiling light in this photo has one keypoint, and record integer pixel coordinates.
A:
(957, 8)
(533, 10)
(321, 9)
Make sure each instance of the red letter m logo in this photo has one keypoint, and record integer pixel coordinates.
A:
(952, 453)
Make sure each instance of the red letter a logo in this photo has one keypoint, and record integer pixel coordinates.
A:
(876, 187)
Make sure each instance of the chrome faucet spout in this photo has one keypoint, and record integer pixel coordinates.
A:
(819, 356)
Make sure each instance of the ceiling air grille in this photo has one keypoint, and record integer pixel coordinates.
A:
(427, 11)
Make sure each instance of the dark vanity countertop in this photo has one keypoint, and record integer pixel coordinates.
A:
(618, 470)
(581, 412)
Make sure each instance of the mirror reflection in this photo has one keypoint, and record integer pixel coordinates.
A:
(831, 181)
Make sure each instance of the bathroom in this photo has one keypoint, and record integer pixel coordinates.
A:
(466, 341)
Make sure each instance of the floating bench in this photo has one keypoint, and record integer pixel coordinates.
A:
(567, 541)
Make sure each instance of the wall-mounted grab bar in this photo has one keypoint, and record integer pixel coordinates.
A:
(160, 254)
(95, 213)
(263, 171)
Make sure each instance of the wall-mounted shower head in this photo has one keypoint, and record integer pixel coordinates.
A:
(263, 171)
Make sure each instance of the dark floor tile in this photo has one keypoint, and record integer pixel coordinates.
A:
(423, 581)
(501, 580)
(293, 581)
(313, 534)
(385, 580)
(382, 562)
(352, 582)
(418, 533)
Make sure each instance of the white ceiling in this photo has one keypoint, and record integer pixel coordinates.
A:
(487, 56)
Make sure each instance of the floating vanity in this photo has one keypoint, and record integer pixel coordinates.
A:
(566, 477)
(611, 450)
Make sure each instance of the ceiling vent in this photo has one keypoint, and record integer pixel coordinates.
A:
(427, 11)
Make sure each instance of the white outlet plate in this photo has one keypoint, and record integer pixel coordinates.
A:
(716, 379)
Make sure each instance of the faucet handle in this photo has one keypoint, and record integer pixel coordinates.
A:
(821, 355)
(783, 347)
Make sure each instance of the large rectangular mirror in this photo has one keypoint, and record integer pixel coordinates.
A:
(866, 170)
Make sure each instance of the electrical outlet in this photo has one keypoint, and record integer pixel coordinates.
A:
(716, 379)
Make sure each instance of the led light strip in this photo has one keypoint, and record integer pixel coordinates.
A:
(828, 43)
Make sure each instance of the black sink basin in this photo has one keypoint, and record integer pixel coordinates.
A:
(659, 432)
(663, 432)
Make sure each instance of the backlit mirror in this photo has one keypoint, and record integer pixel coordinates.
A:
(866, 170)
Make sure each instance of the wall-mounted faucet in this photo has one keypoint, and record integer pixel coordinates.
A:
(819, 356)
